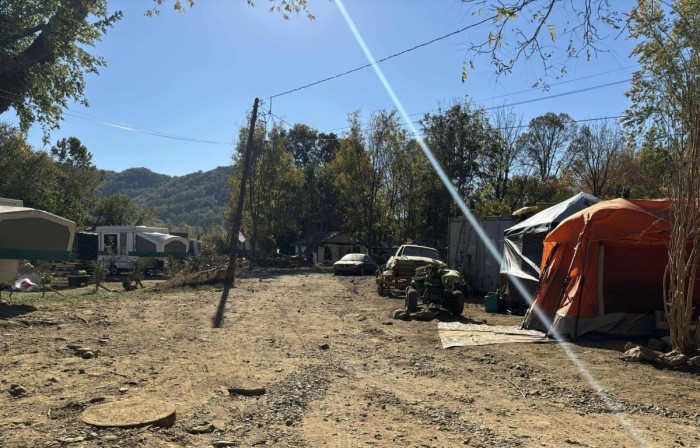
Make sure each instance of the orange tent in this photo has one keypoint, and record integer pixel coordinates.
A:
(602, 270)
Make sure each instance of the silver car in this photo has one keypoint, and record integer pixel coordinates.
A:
(358, 264)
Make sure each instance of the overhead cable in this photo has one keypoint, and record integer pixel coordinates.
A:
(461, 30)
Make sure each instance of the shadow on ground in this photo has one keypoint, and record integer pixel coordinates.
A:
(8, 311)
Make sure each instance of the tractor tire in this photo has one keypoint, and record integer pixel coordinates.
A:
(380, 289)
(411, 300)
(457, 307)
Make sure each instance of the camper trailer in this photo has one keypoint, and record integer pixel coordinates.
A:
(120, 246)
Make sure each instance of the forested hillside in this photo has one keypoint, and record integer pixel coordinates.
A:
(197, 199)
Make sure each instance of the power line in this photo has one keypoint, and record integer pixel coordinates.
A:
(127, 127)
(461, 30)
(572, 92)
(557, 83)
(124, 126)
(532, 100)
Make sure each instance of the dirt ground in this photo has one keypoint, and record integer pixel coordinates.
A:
(337, 371)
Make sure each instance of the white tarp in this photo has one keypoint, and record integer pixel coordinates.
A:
(522, 248)
(458, 334)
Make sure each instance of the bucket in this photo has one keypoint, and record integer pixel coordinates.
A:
(492, 302)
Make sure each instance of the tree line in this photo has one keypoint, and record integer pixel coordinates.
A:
(63, 181)
(376, 182)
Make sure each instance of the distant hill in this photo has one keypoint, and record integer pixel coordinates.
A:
(197, 199)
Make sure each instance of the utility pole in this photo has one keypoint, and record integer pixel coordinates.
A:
(230, 275)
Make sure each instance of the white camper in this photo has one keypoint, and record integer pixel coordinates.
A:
(120, 246)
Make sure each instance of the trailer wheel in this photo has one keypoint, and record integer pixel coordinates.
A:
(457, 303)
(113, 270)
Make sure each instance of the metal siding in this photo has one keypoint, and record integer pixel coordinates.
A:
(479, 266)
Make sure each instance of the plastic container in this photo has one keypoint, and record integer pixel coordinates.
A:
(492, 303)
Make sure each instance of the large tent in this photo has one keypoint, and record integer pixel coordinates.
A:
(27, 233)
(603, 270)
(522, 249)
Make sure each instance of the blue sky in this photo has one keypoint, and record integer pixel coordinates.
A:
(195, 75)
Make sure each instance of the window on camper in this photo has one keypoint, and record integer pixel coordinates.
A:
(109, 241)
(122, 243)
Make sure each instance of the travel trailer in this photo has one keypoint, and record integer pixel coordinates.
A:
(120, 246)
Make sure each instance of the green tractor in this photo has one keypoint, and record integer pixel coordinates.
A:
(436, 284)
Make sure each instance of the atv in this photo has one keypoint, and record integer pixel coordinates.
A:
(436, 284)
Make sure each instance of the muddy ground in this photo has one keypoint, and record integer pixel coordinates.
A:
(337, 371)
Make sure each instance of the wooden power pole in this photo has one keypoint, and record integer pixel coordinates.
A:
(230, 275)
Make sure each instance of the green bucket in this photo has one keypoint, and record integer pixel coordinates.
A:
(492, 303)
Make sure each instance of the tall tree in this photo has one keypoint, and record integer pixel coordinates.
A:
(359, 182)
(412, 177)
(274, 184)
(44, 57)
(544, 144)
(78, 180)
(26, 174)
(647, 171)
(115, 210)
(595, 153)
(457, 136)
(312, 151)
(499, 161)
(277, 183)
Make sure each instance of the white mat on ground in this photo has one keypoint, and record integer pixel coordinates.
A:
(458, 334)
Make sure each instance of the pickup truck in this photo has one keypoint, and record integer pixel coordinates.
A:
(396, 275)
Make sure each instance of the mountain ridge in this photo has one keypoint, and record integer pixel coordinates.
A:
(196, 199)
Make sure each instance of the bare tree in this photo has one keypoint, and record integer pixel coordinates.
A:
(508, 126)
(595, 153)
(544, 144)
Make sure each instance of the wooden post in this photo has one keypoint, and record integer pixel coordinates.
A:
(230, 276)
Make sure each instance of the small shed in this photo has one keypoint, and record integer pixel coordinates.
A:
(337, 244)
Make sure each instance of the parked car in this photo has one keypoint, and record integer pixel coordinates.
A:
(359, 264)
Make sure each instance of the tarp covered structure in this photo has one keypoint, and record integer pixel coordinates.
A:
(27, 233)
(603, 270)
(523, 245)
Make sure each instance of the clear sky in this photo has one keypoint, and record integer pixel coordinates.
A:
(195, 75)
